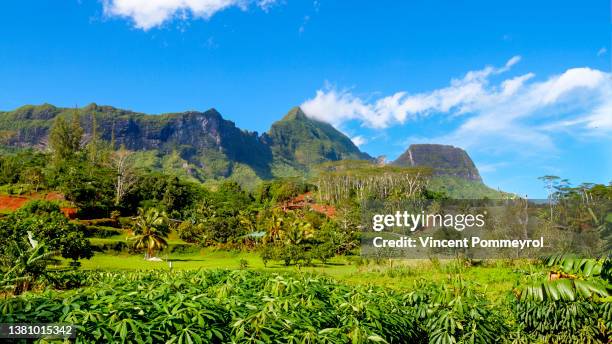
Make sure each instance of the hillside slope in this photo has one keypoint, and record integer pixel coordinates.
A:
(303, 142)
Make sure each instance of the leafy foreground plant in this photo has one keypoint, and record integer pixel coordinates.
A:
(572, 305)
(29, 265)
(249, 307)
(455, 312)
(241, 306)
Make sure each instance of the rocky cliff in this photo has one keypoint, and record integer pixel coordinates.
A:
(200, 138)
(205, 145)
(444, 159)
(202, 143)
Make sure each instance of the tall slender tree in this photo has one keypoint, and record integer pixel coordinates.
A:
(65, 138)
(550, 183)
(94, 146)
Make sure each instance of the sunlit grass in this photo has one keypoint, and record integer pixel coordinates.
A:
(495, 279)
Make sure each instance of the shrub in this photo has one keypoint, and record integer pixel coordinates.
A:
(125, 222)
(46, 223)
(100, 231)
(562, 321)
(267, 254)
(324, 251)
(190, 232)
(106, 222)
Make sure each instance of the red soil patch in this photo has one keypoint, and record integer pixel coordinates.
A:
(307, 201)
(328, 210)
(69, 212)
(12, 203)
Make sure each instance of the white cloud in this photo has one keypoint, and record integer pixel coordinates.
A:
(490, 168)
(573, 79)
(265, 4)
(516, 112)
(336, 106)
(303, 26)
(147, 14)
(359, 140)
(511, 86)
(602, 51)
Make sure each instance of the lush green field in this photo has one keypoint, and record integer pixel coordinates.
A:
(213, 295)
(240, 306)
(494, 278)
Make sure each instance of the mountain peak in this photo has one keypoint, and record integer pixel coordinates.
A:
(295, 113)
(305, 142)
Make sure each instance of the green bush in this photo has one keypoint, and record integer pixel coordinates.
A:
(563, 321)
(324, 251)
(46, 223)
(101, 231)
(111, 247)
(125, 222)
(455, 312)
(105, 222)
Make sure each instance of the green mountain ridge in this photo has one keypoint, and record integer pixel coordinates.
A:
(203, 146)
(197, 145)
(304, 142)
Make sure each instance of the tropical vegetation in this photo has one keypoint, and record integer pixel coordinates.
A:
(94, 198)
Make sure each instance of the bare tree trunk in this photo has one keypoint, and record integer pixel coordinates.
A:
(125, 175)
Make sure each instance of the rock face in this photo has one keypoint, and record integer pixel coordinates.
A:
(198, 137)
(444, 159)
(202, 140)
(189, 132)
(205, 145)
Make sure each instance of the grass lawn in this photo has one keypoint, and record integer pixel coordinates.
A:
(496, 279)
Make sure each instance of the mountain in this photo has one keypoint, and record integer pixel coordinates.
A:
(444, 159)
(455, 174)
(199, 145)
(204, 146)
(301, 142)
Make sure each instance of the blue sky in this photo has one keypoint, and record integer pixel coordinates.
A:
(523, 86)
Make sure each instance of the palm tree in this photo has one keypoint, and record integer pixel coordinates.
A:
(150, 229)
